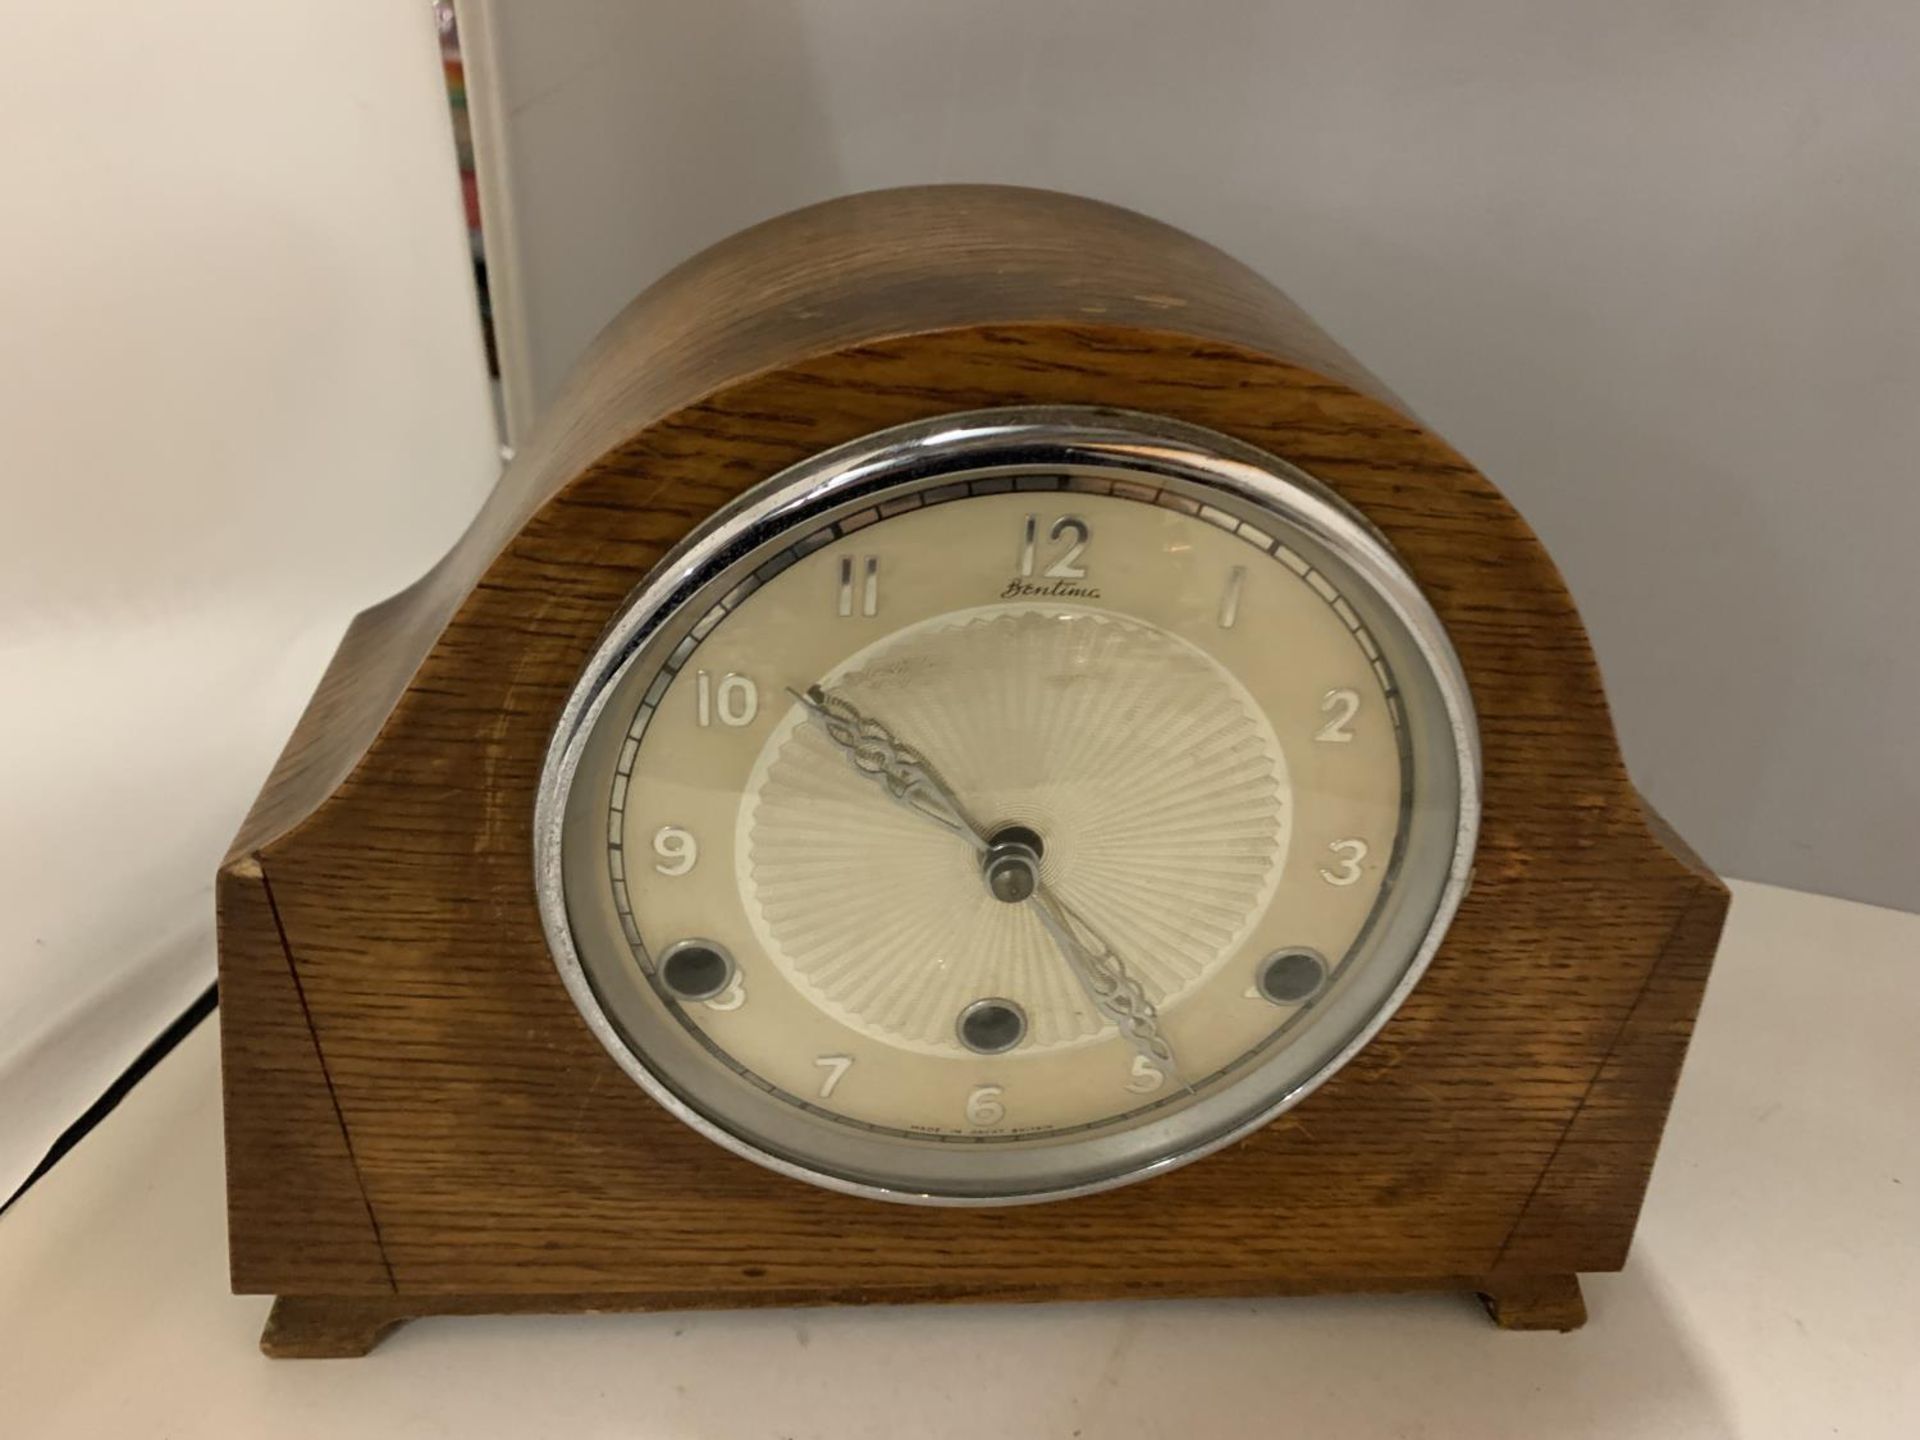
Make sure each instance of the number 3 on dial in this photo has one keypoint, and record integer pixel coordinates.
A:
(1346, 870)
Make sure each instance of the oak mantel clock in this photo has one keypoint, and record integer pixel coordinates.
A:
(976, 755)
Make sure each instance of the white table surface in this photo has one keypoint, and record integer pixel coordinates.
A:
(1774, 1289)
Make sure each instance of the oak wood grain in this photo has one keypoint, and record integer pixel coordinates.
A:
(1535, 1302)
(1504, 1121)
(324, 1327)
(297, 1216)
(329, 1327)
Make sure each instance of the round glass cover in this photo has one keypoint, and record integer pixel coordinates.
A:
(1008, 806)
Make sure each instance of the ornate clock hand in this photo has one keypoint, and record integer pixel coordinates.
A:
(905, 774)
(1108, 983)
(901, 770)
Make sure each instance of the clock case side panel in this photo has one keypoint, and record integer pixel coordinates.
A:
(1597, 1179)
(297, 1215)
(496, 1149)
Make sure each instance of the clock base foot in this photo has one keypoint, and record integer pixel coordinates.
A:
(339, 1327)
(1534, 1302)
(321, 1327)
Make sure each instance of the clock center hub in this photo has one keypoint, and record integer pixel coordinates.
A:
(1011, 864)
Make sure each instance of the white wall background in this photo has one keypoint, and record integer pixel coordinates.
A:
(241, 397)
(1653, 264)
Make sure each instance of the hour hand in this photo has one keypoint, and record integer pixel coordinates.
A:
(875, 751)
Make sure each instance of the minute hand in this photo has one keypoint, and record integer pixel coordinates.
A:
(1104, 976)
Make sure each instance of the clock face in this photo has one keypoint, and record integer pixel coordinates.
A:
(1007, 807)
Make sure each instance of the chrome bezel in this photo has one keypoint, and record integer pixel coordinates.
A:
(1239, 479)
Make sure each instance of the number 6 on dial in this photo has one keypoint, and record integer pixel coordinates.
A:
(984, 1107)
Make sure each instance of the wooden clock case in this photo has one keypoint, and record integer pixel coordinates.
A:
(418, 1120)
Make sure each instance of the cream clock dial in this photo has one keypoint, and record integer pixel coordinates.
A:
(1008, 807)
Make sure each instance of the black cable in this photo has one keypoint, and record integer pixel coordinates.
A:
(162, 1046)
